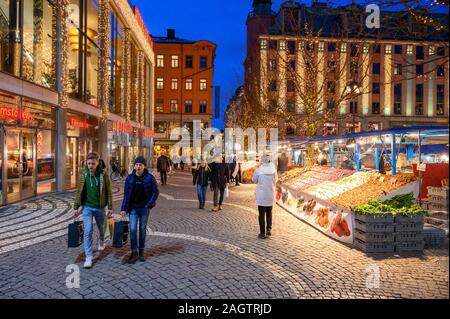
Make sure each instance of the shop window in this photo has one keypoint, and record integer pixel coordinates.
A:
(45, 155)
(160, 127)
(9, 109)
(36, 114)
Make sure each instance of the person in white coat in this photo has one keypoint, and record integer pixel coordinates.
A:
(265, 176)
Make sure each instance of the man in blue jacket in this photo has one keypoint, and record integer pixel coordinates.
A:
(140, 194)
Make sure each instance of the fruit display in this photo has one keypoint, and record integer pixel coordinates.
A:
(339, 225)
(377, 185)
(295, 172)
(400, 204)
(247, 175)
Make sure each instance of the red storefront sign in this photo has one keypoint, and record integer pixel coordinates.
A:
(148, 133)
(79, 123)
(14, 114)
(141, 24)
(122, 127)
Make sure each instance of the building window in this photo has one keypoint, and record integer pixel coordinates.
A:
(189, 62)
(419, 52)
(291, 106)
(366, 48)
(419, 99)
(173, 106)
(376, 68)
(203, 62)
(398, 69)
(343, 47)
(375, 107)
(441, 51)
(202, 84)
(331, 105)
(388, 49)
(159, 83)
(272, 105)
(291, 65)
(376, 88)
(353, 107)
(159, 106)
(160, 127)
(273, 86)
(431, 50)
(398, 49)
(273, 44)
(440, 99)
(160, 61)
(440, 71)
(376, 48)
(282, 44)
(409, 49)
(290, 86)
(354, 50)
(398, 99)
(174, 61)
(188, 84)
(321, 46)
(419, 69)
(272, 65)
(174, 84)
(331, 46)
(263, 44)
(331, 87)
(203, 106)
(188, 106)
(291, 47)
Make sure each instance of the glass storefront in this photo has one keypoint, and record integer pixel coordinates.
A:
(83, 50)
(82, 138)
(26, 34)
(28, 164)
(116, 66)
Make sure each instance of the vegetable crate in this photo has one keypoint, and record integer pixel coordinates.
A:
(374, 247)
(409, 246)
(408, 236)
(438, 200)
(433, 236)
(374, 237)
(375, 218)
(438, 191)
(374, 227)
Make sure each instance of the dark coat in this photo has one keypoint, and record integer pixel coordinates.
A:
(163, 163)
(201, 176)
(220, 175)
(150, 187)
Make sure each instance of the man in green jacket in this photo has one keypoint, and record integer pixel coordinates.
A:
(93, 195)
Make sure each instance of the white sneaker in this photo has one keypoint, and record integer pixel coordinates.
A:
(88, 262)
(101, 246)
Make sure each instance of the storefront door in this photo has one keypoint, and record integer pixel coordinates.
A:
(20, 164)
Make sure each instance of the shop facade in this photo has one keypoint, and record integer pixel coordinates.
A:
(70, 69)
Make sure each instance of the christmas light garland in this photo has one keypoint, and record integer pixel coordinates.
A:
(142, 96)
(103, 61)
(126, 74)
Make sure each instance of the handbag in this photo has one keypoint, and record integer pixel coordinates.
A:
(121, 233)
(109, 228)
(227, 192)
(75, 232)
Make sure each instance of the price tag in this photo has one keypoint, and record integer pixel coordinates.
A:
(422, 167)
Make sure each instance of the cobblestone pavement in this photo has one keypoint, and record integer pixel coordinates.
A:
(194, 253)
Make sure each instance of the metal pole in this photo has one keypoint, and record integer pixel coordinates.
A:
(420, 173)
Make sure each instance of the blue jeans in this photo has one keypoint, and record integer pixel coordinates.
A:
(140, 216)
(201, 194)
(88, 214)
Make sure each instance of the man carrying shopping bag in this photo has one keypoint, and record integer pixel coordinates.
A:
(93, 195)
(140, 194)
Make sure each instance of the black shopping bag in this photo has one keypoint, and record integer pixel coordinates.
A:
(75, 234)
(121, 232)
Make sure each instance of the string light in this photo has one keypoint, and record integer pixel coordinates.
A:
(126, 74)
(143, 95)
(103, 61)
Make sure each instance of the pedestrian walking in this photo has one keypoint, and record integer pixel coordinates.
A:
(265, 176)
(201, 179)
(220, 178)
(163, 166)
(93, 195)
(236, 170)
(140, 194)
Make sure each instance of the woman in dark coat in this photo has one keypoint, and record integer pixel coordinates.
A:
(220, 177)
(201, 178)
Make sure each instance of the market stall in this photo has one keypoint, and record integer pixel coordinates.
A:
(335, 200)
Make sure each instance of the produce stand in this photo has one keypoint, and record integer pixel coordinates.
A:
(335, 201)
